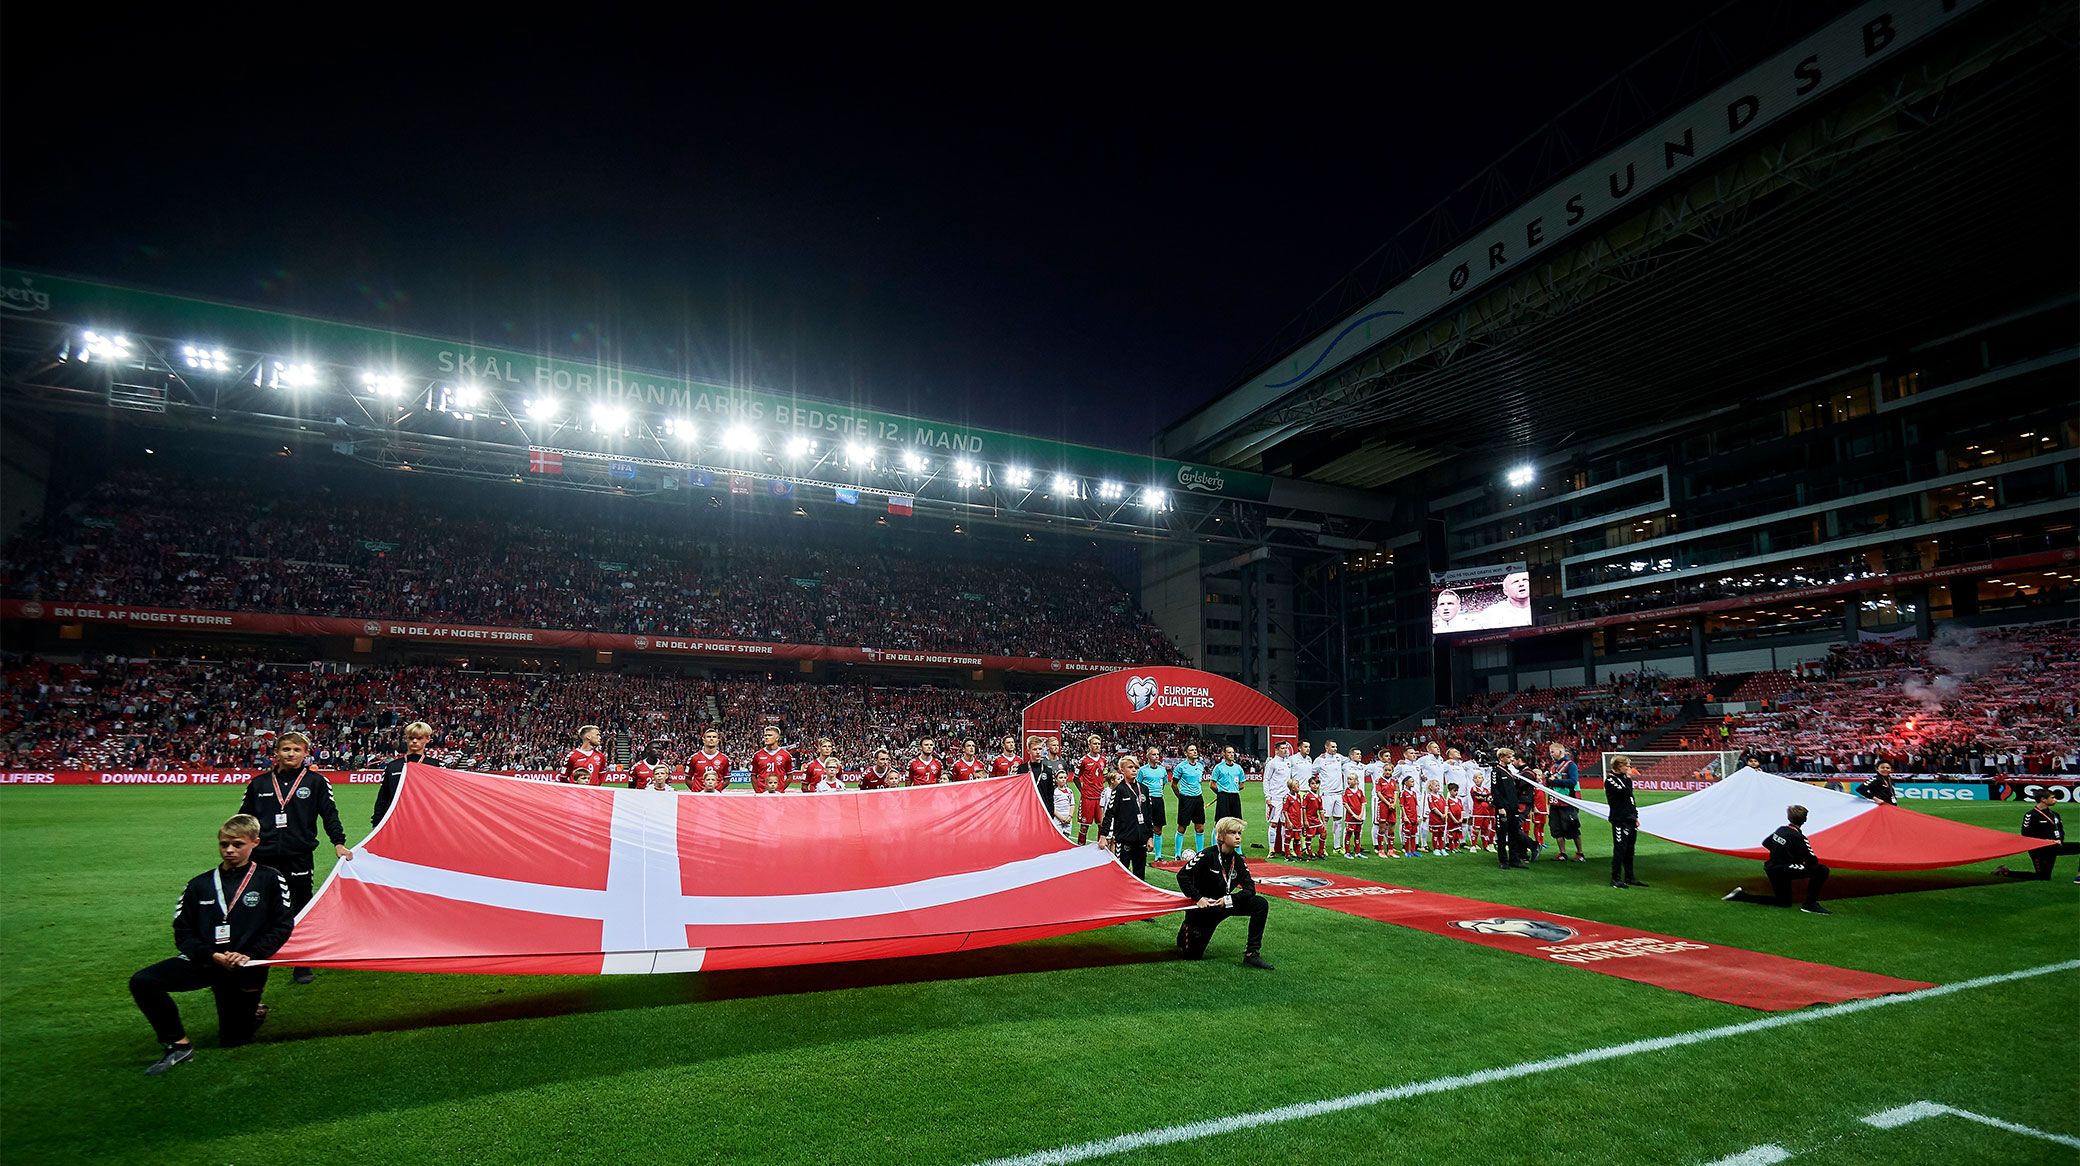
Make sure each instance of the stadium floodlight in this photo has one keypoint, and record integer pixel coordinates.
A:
(915, 461)
(107, 347)
(1522, 476)
(1110, 490)
(286, 375)
(469, 396)
(798, 447)
(204, 358)
(383, 384)
(1018, 476)
(859, 454)
(544, 408)
(680, 428)
(606, 415)
(964, 470)
(739, 439)
(1155, 498)
(1064, 485)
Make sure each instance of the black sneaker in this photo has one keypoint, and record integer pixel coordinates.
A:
(1634, 883)
(259, 1017)
(1736, 895)
(1815, 909)
(1253, 960)
(1617, 886)
(304, 976)
(175, 1054)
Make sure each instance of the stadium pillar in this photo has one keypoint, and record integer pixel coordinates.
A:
(1852, 613)
(1589, 656)
(1699, 661)
(1924, 619)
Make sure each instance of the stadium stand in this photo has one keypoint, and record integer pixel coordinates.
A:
(167, 541)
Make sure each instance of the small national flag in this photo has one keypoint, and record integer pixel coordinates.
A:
(542, 461)
(739, 484)
(780, 489)
(621, 471)
(846, 494)
(900, 503)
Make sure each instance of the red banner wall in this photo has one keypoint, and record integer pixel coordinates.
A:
(269, 624)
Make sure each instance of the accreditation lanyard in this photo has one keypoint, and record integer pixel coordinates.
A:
(223, 904)
(281, 800)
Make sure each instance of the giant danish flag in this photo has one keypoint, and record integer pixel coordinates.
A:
(476, 873)
(1734, 816)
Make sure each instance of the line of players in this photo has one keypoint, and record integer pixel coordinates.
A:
(1432, 802)
(773, 770)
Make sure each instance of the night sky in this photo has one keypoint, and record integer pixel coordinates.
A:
(1070, 230)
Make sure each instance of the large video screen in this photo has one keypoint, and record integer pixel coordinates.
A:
(1479, 599)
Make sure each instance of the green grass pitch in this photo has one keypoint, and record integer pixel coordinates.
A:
(1028, 1048)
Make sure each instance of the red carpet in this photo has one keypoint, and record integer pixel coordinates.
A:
(1748, 978)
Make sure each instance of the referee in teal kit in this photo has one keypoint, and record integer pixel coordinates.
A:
(1227, 786)
(1189, 776)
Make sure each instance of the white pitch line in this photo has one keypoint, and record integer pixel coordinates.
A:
(1767, 1154)
(1907, 1114)
(1215, 1127)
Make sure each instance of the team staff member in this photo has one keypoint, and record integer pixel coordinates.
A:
(417, 736)
(1227, 787)
(1153, 779)
(289, 800)
(1791, 858)
(224, 920)
(2042, 822)
(1127, 826)
(1879, 787)
(1512, 797)
(1188, 777)
(1617, 793)
(1219, 882)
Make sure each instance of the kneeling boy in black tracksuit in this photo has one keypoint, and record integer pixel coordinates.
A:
(1219, 881)
(225, 919)
(1791, 858)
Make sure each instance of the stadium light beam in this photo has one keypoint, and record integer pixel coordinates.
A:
(739, 439)
(859, 454)
(915, 461)
(469, 396)
(606, 416)
(544, 409)
(798, 447)
(1522, 476)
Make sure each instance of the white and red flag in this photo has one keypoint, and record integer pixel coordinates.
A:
(1733, 816)
(476, 873)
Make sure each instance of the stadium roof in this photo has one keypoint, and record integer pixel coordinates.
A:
(1913, 197)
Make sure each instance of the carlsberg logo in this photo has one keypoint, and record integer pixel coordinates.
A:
(1194, 478)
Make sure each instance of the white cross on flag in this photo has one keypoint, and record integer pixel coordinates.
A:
(476, 873)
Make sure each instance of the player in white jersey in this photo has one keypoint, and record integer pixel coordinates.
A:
(1335, 771)
(1279, 770)
(1430, 767)
(1374, 772)
(1456, 771)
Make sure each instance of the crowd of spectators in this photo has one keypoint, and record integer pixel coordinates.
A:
(1589, 720)
(583, 563)
(172, 714)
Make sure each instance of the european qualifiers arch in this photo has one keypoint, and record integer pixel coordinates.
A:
(1160, 696)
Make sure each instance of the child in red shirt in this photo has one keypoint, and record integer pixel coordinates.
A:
(1311, 807)
(1354, 817)
(1292, 834)
(1440, 828)
(1455, 817)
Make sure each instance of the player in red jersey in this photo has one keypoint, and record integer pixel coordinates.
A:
(1483, 812)
(1006, 759)
(1354, 814)
(882, 775)
(1411, 817)
(824, 768)
(1313, 830)
(969, 765)
(1386, 796)
(771, 760)
(586, 764)
(645, 773)
(1440, 828)
(1292, 821)
(1541, 805)
(1091, 773)
(926, 768)
(710, 761)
